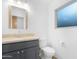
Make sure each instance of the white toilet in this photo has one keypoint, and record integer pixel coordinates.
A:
(46, 52)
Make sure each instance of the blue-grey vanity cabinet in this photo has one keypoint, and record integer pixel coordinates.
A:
(21, 50)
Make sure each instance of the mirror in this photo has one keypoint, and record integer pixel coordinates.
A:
(17, 18)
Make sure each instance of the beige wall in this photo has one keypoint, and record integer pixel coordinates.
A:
(68, 35)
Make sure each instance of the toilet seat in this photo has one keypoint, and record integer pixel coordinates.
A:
(48, 51)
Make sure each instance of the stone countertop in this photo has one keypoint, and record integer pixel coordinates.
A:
(18, 38)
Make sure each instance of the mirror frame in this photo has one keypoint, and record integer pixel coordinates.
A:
(10, 18)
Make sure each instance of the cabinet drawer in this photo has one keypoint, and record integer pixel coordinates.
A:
(19, 45)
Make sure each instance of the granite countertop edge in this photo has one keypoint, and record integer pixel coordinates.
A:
(13, 40)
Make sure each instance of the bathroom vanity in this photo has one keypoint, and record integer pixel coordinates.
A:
(20, 49)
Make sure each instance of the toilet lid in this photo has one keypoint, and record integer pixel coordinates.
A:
(48, 50)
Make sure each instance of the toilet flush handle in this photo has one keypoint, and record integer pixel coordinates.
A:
(62, 43)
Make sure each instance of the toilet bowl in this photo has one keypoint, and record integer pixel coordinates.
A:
(47, 53)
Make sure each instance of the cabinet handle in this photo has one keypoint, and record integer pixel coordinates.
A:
(18, 52)
(22, 51)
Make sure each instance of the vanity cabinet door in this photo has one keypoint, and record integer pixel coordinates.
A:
(30, 53)
(11, 55)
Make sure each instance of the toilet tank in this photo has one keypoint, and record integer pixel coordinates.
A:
(42, 43)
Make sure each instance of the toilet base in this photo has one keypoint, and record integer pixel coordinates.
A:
(45, 57)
